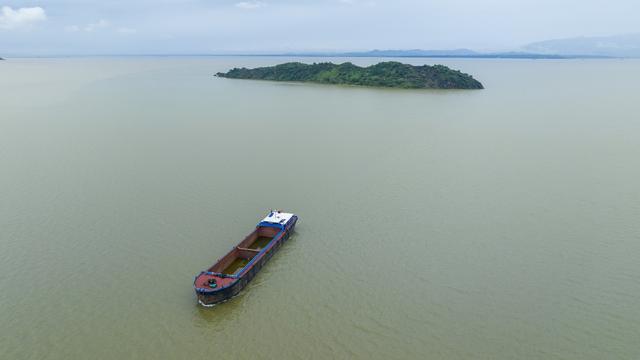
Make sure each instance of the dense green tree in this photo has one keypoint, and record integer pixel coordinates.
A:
(385, 74)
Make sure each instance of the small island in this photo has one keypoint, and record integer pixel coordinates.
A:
(389, 74)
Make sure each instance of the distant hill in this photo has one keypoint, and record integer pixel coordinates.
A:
(457, 53)
(385, 74)
(414, 53)
(612, 46)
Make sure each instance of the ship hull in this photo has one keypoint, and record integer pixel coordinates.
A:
(207, 297)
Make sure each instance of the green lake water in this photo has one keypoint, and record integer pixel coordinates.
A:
(494, 224)
(260, 243)
(235, 266)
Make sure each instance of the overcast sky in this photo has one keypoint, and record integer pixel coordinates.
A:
(61, 27)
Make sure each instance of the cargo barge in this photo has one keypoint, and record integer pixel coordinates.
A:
(231, 273)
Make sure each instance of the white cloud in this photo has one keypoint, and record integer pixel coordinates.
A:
(95, 26)
(251, 5)
(358, 2)
(102, 24)
(89, 27)
(126, 30)
(20, 18)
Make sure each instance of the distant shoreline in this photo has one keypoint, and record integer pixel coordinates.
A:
(479, 56)
(344, 55)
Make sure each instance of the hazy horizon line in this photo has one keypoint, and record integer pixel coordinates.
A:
(513, 55)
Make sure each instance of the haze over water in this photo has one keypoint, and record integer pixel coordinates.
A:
(492, 224)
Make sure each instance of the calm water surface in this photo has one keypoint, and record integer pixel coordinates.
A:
(494, 224)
